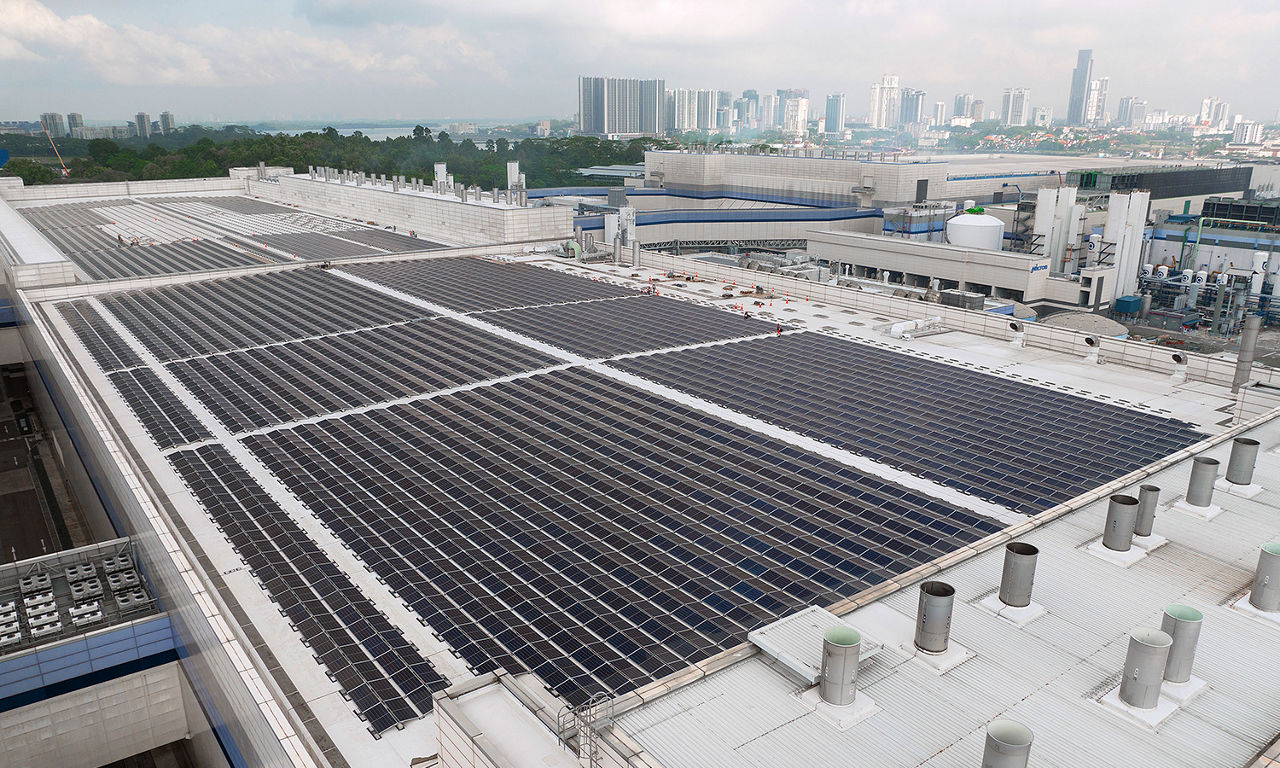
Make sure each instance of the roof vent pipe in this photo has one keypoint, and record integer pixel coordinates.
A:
(1182, 623)
(933, 617)
(1244, 457)
(1265, 595)
(1122, 516)
(1148, 498)
(1179, 367)
(1019, 573)
(1008, 745)
(1019, 333)
(1204, 471)
(617, 249)
(635, 254)
(840, 648)
(1144, 667)
(1248, 344)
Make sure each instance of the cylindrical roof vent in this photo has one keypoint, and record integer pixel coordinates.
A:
(635, 254)
(1265, 595)
(1008, 745)
(1148, 498)
(1244, 457)
(1182, 623)
(1179, 358)
(617, 249)
(1019, 573)
(1144, 667)
(1122, 516)
(1204, 471)
(933, 617)
(1015, 326)
(840, 647)
(1092, 341)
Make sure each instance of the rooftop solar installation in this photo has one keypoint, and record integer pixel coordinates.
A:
(634, 324)
(598, 535)
(315, 245)
(1016, 444)
(382, 673)
(167, 258)
(168, 421)
(389, 241)
(469, 285)
(268, 385)
(206, 317)
(105, 346)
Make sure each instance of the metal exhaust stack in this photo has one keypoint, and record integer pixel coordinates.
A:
(1019, 573)
(617, 250)
(635, 254)
(1204, 471)
(933, 618)
(1148, 498)
(1008, 745)
(1122, 517)
(1265, 595)
(840, 648)
(1144, 667)
(1182, 623)
(1248, 346)
(1244, 457)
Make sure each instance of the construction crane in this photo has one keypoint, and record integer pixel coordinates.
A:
(56, 153)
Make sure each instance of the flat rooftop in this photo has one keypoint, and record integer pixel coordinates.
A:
(410, 471)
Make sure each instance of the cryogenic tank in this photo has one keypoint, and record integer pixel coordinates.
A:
(976, 230)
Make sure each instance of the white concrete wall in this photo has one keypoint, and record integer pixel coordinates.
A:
(121, 189)
(746, 230)
(446, 220)
(97, 725)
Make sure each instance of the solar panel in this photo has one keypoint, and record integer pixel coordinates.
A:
(166, 418)
(593, 533)
(634, 324)
(469, 285)
(1020, 445)
(385, 676)
(105, 346)
(207, 317)
(166, 258)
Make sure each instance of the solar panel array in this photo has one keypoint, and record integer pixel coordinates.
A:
(595, 534)
(378, 669)
(207, 317)
(618, 326)
(315, 245)
(167, 258)
(165, 417)
(469, 285)
(389, 241)
(269, 385)
(1016, 444)
(105, 346)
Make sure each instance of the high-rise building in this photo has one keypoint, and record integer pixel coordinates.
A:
(1015, 106)
(1095, 111)
(142, 124)
(768, 112)
(1247, 132)
(1131, 112)
(53, 123)
(795, 116)
(1221, 118)
(939, 113)
(74, 120)
(886, 106)
(1042, 117)
(682, 110)
(621, 105)
(1077, 104)
(911, 106)
(167, 124)
(977, 110)
(706, 104)
(835, 113)
(963, 106)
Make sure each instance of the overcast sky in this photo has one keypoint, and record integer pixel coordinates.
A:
(248, 60)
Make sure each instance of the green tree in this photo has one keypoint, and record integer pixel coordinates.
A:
(31, 172)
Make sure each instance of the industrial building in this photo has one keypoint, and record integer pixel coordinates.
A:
(379, 473)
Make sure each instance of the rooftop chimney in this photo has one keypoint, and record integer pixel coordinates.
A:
(840, 648)
(1265, 595)
(1144, 665)
(1248, 344)
(933, 617)
(1148, 497)
(1182, 623)
(1244, 457)
(1122, 516)
(1008, 745)
(1204, 471)
(1019, 573)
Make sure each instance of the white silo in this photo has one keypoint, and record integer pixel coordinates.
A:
(976, 230)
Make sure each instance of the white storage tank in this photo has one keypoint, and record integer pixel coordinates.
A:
(975, 229)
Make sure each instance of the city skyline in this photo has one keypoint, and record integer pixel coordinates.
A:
(350, 59)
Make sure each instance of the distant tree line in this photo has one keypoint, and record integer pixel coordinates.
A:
(196, 152)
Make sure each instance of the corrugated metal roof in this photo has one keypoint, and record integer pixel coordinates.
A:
(1048, 674)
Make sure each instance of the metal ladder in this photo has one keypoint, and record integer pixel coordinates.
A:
(583, 722)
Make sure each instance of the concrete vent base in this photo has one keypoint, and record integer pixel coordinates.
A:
(1183, 694)
(1204, 513)
(1243, 491)
(1122, 559)
(1150, 719)
(898, 633)
(1150, 543)
(1247, 608)
(1019, 617)
(843, 718)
